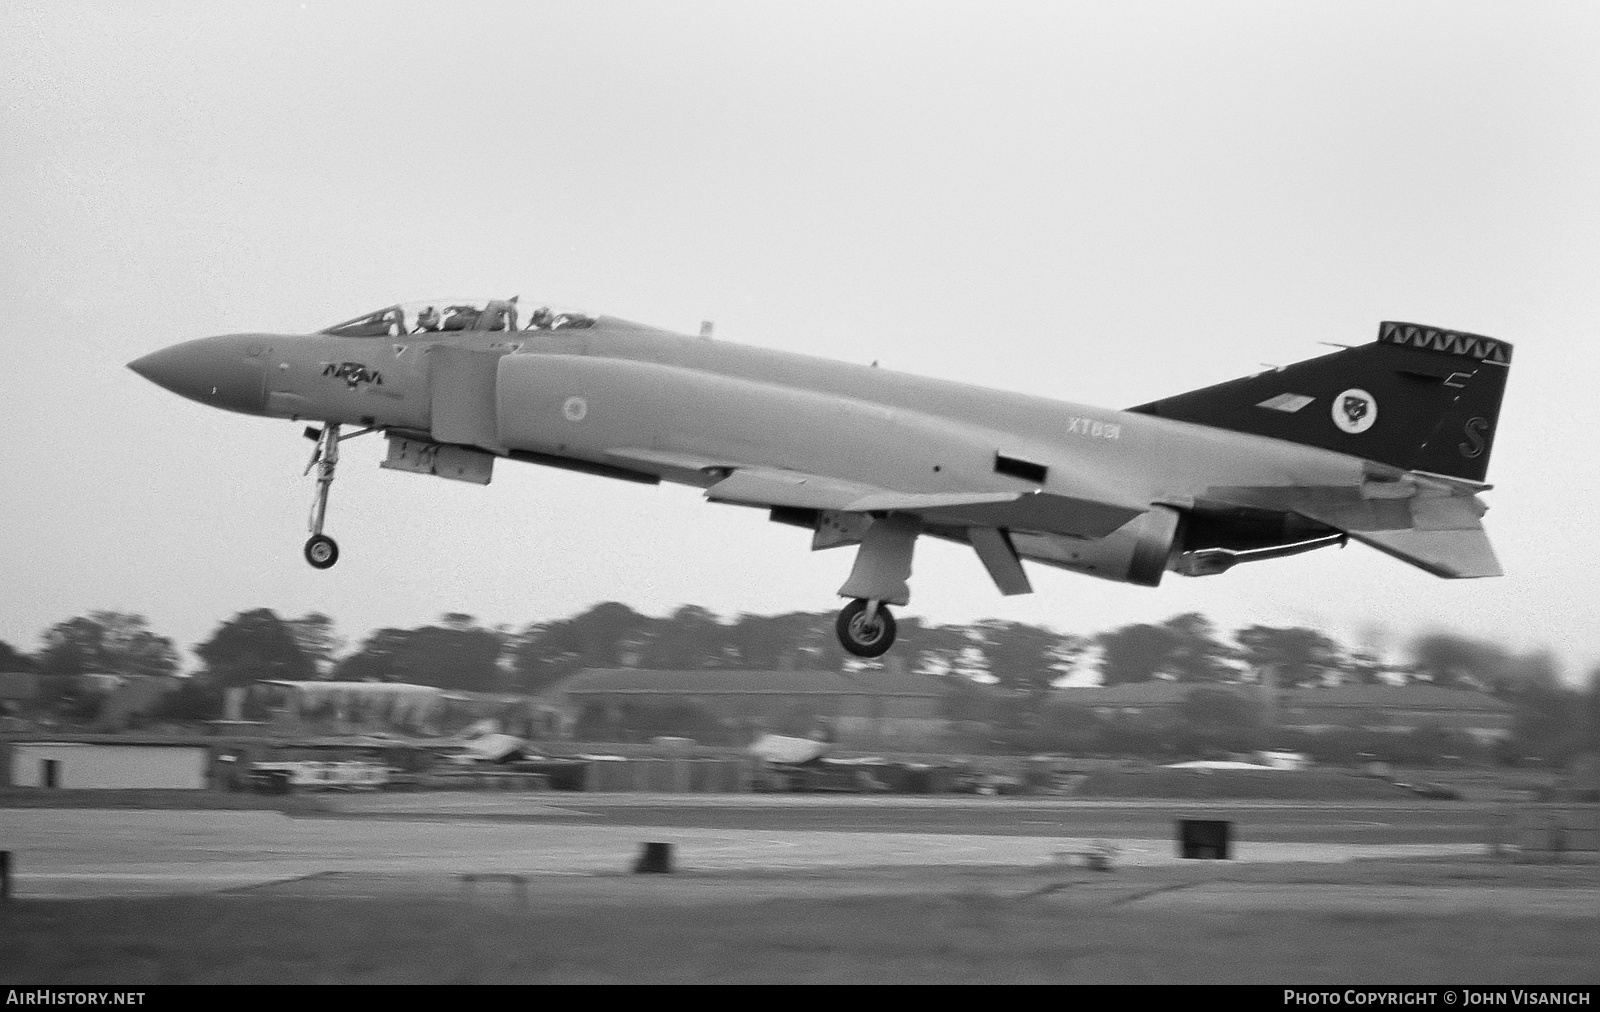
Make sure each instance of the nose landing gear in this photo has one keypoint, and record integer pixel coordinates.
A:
(865, 628)
(322, 551)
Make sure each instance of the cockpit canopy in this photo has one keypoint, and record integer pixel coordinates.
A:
(425, 317)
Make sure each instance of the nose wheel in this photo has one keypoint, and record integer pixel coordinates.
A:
(865, 628)
(321, 551)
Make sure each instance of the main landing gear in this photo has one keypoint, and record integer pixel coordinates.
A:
(322, 551)
(883, 565)
(865, 628)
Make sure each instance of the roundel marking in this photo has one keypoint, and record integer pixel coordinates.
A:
(1355, 411)
(575, 409)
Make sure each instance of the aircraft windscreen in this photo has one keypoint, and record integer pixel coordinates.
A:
(442, 315)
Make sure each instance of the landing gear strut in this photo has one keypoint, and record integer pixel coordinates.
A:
(865, 628)
(322, 551)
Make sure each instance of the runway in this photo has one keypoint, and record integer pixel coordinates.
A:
(81, 853)
(490, 887)
(1256, 821)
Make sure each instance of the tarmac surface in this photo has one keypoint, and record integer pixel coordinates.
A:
(400, 841)
(434, 887)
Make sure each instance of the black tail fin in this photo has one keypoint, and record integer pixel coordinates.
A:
(1418, 398)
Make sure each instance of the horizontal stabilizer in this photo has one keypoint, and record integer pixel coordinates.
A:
(1441, 534)
(1414, 501)
(1454, 555)
(1437, 534)
(1425, 513)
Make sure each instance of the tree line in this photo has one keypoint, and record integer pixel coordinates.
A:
(457, 652)
(999, 671)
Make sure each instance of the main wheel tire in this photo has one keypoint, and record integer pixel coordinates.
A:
(861, 636)
(321, 551)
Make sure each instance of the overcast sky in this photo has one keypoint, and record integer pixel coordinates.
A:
(1105, 203)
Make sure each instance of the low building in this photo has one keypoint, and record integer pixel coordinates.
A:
(1395, 708)
(91, 765)
(870, 708)
(134, 699)
(308, 706)
(1133, 699)
(19, 691)
(1371, 707)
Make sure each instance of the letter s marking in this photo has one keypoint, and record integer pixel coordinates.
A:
(1474, 429)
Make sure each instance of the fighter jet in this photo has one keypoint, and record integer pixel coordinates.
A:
(1387, 443)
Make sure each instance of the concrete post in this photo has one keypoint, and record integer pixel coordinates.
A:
(654, 859)
(1501, 825)
(1557, 837)
(1269, 694)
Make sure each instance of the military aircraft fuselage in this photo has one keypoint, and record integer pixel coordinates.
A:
(622, 387)
(875, 457)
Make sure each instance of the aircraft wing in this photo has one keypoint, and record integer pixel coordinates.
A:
(1089, 513)
(764, 486)
(1011, 510)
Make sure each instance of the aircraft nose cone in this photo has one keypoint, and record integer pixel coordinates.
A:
(153, 367)
(223, 372)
